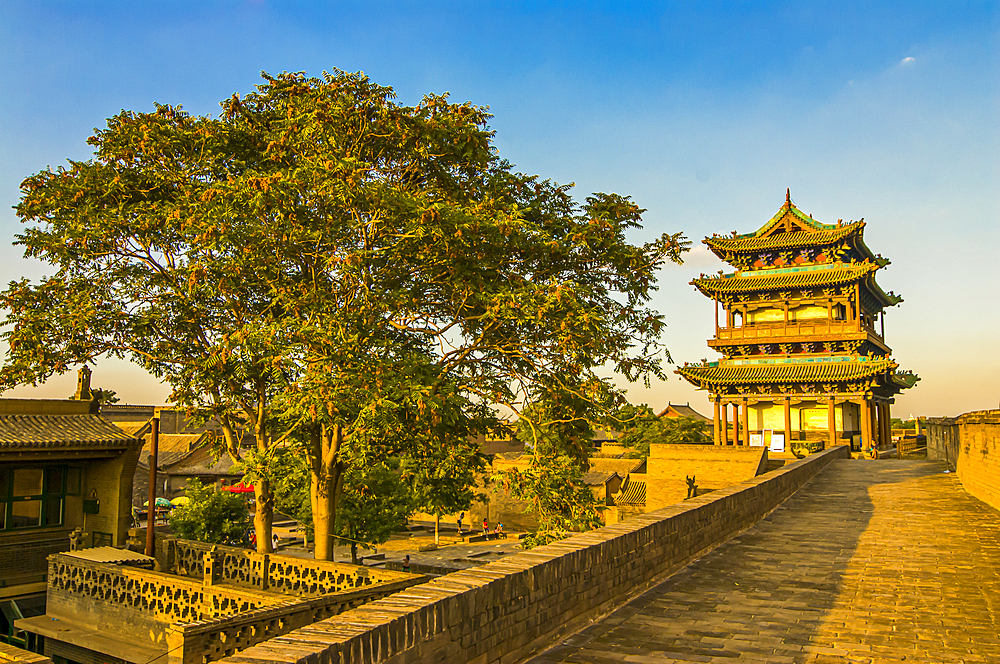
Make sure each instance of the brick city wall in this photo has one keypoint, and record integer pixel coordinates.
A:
(943, 436)
(979, 455)
(507, 610)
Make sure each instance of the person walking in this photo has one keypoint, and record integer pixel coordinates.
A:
(486, 527)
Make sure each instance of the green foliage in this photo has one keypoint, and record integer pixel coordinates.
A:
(557, 430)
(216, 517)
(290, 480)
(375, 504)
(554, 490)
(640, 427)
(323, 266)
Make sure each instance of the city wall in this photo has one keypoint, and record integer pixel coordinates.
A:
(970, 445)
(507, 610)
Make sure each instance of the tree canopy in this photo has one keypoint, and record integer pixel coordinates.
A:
(323, 266)
(216, 517)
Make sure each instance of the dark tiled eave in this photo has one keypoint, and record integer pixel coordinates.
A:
(60, 431)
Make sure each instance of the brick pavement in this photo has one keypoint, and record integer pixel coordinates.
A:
(873, 561)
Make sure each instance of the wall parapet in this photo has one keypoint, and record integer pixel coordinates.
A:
(513, 608)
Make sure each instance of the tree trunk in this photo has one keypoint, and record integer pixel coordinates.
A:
(264, 510)
(354, 553)
(437, 529)
(327, 476)
(263, 515)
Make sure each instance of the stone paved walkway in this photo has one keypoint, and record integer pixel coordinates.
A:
(873, 561)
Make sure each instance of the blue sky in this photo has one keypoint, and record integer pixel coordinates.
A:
(703, 112)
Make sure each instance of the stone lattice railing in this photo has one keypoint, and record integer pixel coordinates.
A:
(210, 640)
(165, 597)
(198, 620)
(284, 574)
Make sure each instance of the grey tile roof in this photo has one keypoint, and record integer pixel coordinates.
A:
(598, 478)
(52, 431)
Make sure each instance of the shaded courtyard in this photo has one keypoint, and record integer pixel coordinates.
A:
(886, 561)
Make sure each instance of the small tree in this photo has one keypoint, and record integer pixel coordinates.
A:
(556, 427)
(216, 517)
(648, 429)
(442, 476)
(375, 503)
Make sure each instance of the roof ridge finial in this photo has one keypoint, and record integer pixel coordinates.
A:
(788, 196)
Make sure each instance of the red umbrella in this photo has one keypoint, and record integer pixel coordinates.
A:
(238, 488)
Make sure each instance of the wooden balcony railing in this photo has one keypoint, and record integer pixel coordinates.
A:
(791, 329)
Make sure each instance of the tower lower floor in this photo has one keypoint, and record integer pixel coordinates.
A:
(778, 421)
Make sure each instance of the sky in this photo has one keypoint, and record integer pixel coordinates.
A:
(702, 112)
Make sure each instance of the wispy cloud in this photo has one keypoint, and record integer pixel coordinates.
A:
(907, 60)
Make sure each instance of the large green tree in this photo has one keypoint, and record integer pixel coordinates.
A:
(322, 263)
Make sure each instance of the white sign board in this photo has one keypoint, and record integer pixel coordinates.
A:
(777, 442)
(756, 440)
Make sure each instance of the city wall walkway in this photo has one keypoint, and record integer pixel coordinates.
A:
(872, 561)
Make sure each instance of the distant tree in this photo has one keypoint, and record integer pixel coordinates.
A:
(374, 504)
(441, 477)
(216, 517)
(652, 429)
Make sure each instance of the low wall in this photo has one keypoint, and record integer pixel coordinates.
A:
(942, 440)
(513, 608)
(713, 467)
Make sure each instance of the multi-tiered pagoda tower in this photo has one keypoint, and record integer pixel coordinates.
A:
(802, 336)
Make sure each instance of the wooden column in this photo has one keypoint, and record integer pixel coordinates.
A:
(831, 413)
(876, 425)
(716, 301)
(725, 423)
(883, 414)
(788, 422)
(857, 305)
(736, 423)
(718, 434)
(866, 425)
(746, 423)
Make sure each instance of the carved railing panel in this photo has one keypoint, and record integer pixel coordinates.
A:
(165, 597)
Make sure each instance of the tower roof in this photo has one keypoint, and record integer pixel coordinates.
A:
(715, 374)
(791, 228)
(796, 278)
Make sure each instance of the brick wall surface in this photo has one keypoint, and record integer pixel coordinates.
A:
(508, 610)
(712, 466)
(978, 463)
(942, 439)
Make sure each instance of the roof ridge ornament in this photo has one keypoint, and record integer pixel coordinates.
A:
(788, 196)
